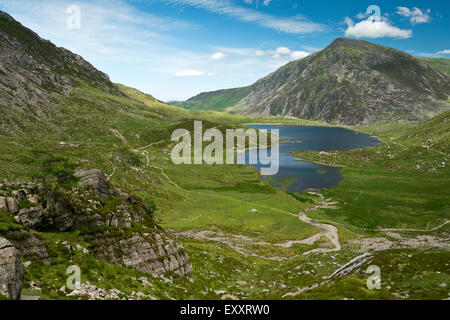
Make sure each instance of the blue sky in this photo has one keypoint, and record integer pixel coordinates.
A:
(174, 49)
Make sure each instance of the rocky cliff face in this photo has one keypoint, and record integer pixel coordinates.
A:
(152, 253)
(11, 271)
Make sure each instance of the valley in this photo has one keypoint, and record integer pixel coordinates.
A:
(87, 180)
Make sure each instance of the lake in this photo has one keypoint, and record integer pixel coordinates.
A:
(302, 176)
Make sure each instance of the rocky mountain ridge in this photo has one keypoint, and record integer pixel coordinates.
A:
(349, 82)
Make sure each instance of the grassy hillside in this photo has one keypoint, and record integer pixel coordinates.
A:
(216, 100)
(442, 64)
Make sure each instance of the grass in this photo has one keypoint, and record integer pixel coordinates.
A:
(378, 191)
(442, 64)
(399, 184)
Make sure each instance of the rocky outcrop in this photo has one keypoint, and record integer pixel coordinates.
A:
(152, 253)
(11, 271)
(30, 245)
(94, 203)
(94, 179)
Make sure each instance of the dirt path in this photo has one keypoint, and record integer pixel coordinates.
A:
(235, 242)
(118, 135)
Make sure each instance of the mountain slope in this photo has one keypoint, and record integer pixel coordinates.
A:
(216, 100)
(34, 73)
(349, 82)
(439, 63)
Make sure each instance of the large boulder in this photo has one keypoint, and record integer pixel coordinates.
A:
(152, 253)
(11, 271)
(94, 179)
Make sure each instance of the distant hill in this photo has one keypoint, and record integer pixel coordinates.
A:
(216, 100)
(434, 132)
(441, 64)
(349, 82)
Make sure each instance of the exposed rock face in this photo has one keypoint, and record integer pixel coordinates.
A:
(95, 179)
(11, 271)
(49, 210)
(94, 203)
(151, 253)
(29, 245)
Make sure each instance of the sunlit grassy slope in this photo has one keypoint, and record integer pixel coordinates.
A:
(442, 64)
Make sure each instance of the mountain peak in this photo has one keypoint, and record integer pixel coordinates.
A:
(349, 82)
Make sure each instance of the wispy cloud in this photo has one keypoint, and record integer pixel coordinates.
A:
(439, 54)
(256, 2)
(415, 14)
(218, 56)
(193, 73)
(293, 25)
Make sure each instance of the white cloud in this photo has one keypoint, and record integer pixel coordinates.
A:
(192, 73)
(218, 56)
(415, 15)
(259, 53)
(283, 50)
(375, 29)
(443, 52)
(295, 55)
(362, 15)
(293, 25)
(265, 2)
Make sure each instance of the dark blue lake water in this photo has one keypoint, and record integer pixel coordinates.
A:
(302, 176)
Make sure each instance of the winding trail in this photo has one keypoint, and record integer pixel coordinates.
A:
(230, 240)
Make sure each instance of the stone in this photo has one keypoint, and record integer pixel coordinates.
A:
(82, 249)
(33, 198)
(13, 205)
(94, 179)
(31, 217)
(29, 245)
(145, 255)
(11, 271)
(3, 204)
